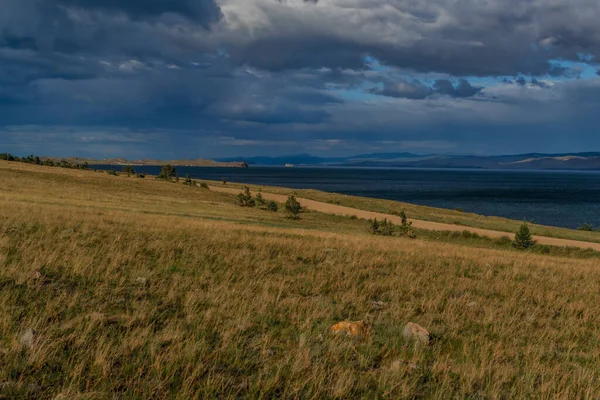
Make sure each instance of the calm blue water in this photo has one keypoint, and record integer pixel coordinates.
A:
(558, 198)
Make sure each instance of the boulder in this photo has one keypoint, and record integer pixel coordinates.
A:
(414, 333)
(141, 280)
(28, 338)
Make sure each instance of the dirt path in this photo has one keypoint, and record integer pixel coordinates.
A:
(432, 226)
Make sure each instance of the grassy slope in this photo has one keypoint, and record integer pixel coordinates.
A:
(237, 302)
(430, 213)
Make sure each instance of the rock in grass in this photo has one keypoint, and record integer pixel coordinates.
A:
(348, 328)
(141, 280)
(28, 338)
(414, 333)
(377, 305)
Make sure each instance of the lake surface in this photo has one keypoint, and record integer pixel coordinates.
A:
(559, 198)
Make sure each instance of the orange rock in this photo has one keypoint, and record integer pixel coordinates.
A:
(348, 328)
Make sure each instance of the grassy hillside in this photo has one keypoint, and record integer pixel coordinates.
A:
(138, 288)
(431, 213)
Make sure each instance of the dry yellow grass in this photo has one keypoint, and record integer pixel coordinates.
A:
(144, 289)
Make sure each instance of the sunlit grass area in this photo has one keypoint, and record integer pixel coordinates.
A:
(425, 213)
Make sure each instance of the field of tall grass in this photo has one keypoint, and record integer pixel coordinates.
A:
(116, 287)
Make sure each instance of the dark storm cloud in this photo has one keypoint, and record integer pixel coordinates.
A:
(264, 71)
(416, 90)
(466, 37)
(202, 11)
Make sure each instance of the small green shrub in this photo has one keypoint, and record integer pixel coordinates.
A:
(383, 228)
(188, 181)
(386, 228)
(543, 248)
(245, 198)
(293, 207)
(141, 175)
(503, 241)
(128, 169)
(405, 227)
(260, 201)
(272, 206)
(586, 227)
(112, 172)
(204, 185)
(167, 173)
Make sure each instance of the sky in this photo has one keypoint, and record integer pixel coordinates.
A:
(224, 78)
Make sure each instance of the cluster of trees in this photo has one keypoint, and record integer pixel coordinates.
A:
(31, 159)
(388, 228)
(168, 173)
(293, 208)
(245, 199)
(523, 239)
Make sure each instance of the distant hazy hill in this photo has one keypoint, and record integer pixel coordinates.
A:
(573, 161)
(307, 159)
(179, 163)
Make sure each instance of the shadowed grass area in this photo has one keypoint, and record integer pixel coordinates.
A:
(145, 289)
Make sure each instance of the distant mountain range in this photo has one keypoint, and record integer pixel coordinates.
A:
(200, 162)
(564, 161)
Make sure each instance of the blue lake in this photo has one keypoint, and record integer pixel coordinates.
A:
(559, 198)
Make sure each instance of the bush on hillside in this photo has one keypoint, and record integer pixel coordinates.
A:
(586, 227)
(189, 181)
(204, 185)
(112, 172)
(167, 173)
(245, 198)
(128, 169)
(272, 206)
(260, 201)
(405, 227)
(293, 207)
(383, 228)
(523, 239)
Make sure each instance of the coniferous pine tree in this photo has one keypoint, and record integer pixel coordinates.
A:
(293, 208)
(523, 238)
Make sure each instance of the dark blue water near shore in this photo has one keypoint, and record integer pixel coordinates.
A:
(558, 198)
